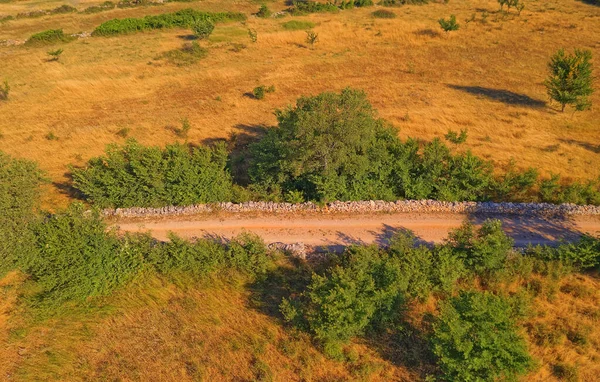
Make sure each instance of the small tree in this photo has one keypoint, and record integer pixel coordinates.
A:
(203, 29)
(570, 79)
(475, 339)
(456, 138)
(4, 90)
(450, 24)
(264, 12)
(312, 37)
(55, 54)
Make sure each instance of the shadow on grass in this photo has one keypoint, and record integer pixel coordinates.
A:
(504, 96)
(586, 145)
(591, 2)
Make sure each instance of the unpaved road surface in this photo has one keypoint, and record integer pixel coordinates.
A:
(335, 231)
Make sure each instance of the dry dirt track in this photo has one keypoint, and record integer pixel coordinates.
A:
(335, 230)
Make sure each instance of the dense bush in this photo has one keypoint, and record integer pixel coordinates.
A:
(583, 254)
(51, 36)
(364, 290)
(19, 196)
(203, 29)
(134, 175)
(75, 257)
(475, 339)
(185, 18)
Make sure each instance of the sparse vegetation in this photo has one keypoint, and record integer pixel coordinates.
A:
(4, 90)
(312, 38)
(55, 54)
(570, 79)
(190, 53)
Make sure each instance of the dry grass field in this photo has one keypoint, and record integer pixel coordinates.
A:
(486, 77)
(158, 331)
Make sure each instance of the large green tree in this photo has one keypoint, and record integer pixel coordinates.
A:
(330, 146)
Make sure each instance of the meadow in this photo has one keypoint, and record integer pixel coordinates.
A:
(487, 77)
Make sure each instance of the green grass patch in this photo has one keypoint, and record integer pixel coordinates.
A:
(296, 25)
(50, 36)
(383, 14)
(181, 19)
(188, 54)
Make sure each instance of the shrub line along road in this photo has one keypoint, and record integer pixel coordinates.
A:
(334, 231)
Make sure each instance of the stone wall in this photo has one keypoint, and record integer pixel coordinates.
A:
(406, 206)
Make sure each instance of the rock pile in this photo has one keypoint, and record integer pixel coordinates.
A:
(406, 206)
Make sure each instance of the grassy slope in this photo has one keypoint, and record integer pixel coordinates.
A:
(408, 68)
(156, 330)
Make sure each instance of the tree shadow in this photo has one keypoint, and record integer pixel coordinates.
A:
(504, 96)
(382, 238)
(586, 145)
(427, 33)
(187, 37)
(591, 2)
(66, 188)
(238, 142)
(534, 229)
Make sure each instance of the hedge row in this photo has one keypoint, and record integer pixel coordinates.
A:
(180, 19)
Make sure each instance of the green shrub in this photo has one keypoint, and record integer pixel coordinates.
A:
(383, 14)
(259, 92)
(185, 18)
(450, 24)
(294, 25)
(76, 257)
(190, 53)
(20, 182)
(264, 12)
(51, 36)
(364, 290)
(55, 54)
(475, 338)
(4, 91)
(134, 175)
(302, 7)
(396, 3)
(203, 29)
(582, 254)
(483, 251)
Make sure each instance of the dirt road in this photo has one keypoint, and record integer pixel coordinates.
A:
(335, 231)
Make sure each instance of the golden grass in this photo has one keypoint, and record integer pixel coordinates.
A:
(415, 76)
(159, 331)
